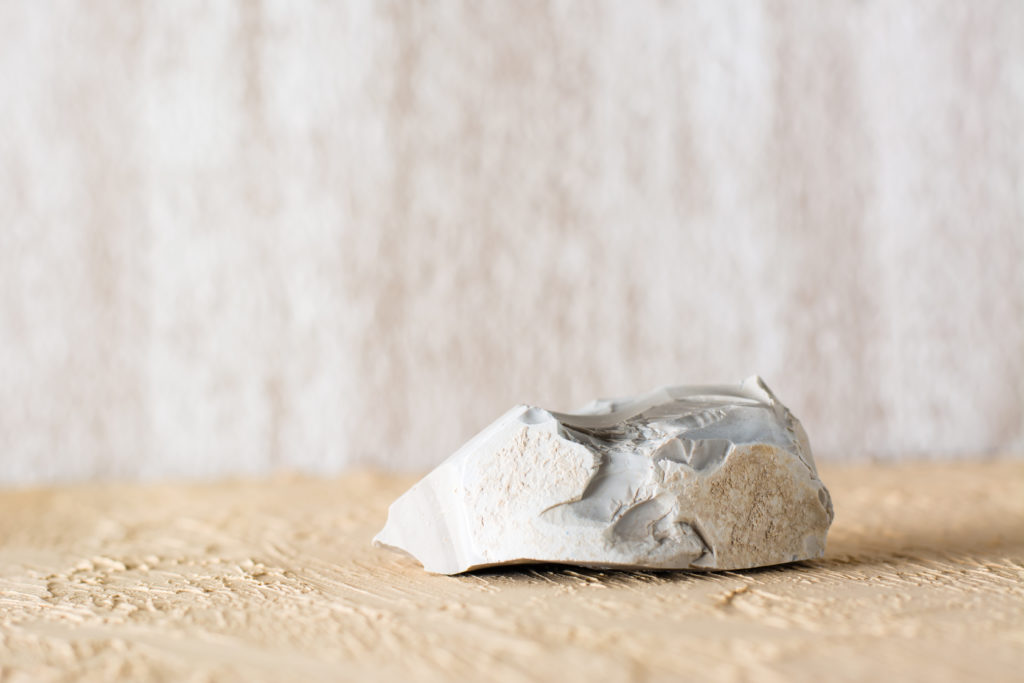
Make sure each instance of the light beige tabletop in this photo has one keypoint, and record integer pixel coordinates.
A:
(276, 580)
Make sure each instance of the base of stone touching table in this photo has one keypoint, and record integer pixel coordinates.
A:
(276, 580)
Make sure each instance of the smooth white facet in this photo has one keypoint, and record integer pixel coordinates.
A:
(707, 477)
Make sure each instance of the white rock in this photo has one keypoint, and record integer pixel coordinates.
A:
(707, 477)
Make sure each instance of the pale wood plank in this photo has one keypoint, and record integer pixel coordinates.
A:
(276, 580)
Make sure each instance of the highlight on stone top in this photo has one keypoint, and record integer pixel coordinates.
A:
(698, 477)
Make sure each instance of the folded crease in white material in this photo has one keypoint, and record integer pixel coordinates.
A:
(704, 477)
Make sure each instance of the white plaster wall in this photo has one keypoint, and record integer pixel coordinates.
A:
(242, 237)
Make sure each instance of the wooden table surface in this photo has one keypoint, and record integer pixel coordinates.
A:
(276, 580)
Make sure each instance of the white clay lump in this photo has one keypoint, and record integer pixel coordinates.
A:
(702, 477)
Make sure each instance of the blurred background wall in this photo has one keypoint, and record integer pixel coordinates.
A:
(244, 237)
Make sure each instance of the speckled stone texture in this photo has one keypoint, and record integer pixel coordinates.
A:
(239, 237)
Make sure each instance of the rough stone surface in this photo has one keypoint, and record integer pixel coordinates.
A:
(713, 477)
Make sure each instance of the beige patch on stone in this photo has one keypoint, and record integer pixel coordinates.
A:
(510, 487)
(758, 508)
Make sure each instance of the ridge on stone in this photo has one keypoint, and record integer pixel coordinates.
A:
(702, 477)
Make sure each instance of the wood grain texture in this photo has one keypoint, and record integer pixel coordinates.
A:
(276, 580)
(243, 237)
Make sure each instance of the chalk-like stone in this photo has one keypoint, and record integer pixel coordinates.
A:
(706, 477)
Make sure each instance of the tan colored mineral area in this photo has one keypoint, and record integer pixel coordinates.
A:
(923, 579)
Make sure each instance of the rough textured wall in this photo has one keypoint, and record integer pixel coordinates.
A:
(241, 237)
